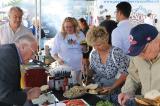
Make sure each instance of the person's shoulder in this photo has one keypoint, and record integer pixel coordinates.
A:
(59, 35)
(93, 52)
(116, 31)
(81, 33)
(25, 28)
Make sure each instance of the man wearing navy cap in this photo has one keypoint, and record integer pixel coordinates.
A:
(144, 63)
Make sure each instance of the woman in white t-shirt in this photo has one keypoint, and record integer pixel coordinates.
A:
(66, 48)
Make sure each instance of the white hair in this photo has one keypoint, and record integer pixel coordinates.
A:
(27, 37)
(15, 9)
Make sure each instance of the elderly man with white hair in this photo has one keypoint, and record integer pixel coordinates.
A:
(11, 57)
(144, 63)
(11, 31)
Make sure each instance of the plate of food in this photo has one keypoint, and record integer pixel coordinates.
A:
(93, 89)
(151, 98)
(46, 99)
(75, 102)
(75, 92)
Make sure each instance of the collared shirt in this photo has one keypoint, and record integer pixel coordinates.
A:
(120, 35)
(7, 36)
(142, 73)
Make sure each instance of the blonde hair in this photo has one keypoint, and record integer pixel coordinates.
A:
(35, 21)
(97, 34)
(74, 23)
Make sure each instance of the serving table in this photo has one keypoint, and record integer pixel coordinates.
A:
(89, 98)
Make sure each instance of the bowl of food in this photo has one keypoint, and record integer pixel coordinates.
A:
(75, 92)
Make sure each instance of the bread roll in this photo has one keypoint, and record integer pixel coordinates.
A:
(92, 86)
(152, 94)
(93, 91)
(44, 87)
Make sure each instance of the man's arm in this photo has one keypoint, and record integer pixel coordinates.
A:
(132, 81)
(130, 86)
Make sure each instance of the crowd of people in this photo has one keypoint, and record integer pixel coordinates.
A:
(121, 59)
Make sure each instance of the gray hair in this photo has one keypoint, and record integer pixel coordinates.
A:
(15, 9)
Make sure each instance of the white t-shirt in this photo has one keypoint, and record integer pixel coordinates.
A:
(7, 35)
(69, 49)
(120, 35)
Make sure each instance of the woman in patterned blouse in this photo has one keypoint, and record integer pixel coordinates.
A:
(108, 63)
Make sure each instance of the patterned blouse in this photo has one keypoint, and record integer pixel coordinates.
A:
(106, 74)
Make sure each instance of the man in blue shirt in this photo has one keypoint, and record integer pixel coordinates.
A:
(120, 35)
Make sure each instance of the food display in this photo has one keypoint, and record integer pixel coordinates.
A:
(75, 92)
(75, 102)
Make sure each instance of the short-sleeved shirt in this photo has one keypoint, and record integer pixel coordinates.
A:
(7, 36)
(69, 49)
(120, 35)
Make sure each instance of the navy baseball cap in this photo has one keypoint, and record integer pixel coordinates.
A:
(140, 35)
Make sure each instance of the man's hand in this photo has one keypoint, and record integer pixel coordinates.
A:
(123, 97)
(33, 93)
